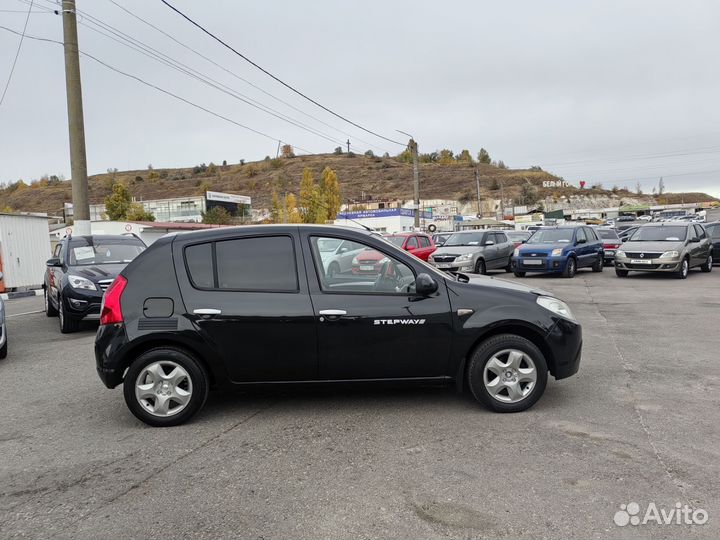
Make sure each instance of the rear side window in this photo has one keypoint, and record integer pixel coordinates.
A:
(501, 238)
(247, 264)
(699, 231)
(424, 241)
(412, 242)
(260, 264)
(714, 231)
(580, 235)
(199, 263)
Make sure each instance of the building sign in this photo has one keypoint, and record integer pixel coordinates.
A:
(226, 197)
(555, 183)
(383, 212)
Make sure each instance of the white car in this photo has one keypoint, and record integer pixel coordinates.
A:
(337, 255)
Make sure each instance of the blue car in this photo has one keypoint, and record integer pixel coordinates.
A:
(560, 250)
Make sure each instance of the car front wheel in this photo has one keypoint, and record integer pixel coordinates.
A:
(684, 270)
(480, 267)
(68, 324)
(570, 268)
(507, 373)
(165, 387)
(621, 273)
(50, 310)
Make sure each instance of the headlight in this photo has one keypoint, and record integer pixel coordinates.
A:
(620, 253)
(466, 257)
(556, 252)
(670, 255)
(556, 306)
(77, 282)
(516, 253)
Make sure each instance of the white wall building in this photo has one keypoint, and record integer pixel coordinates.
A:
(389, 220)
(24, 250)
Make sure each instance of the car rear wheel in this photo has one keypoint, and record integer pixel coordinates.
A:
(507, 373)
(50, 310)
(68, 324)
(480, 267)
(684, 270)
(570, 268)
(165, 387)
(599, 264)
(508, 268)
(621, 273)
(707, 267)
(3, 349)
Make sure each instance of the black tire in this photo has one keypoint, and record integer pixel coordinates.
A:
(50, 310)
(485, 352)
(707, 266)
(480, 267)
(684, 269)
(599, 264)
(570, 268)
(621, 273)
(3, 349)
(196, 373)
(509, 268)
(519, 274)
(333, 269)
(68, 324)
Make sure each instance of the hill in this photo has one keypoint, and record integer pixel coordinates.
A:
(360, 177)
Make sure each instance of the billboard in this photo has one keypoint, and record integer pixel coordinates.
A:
(236, 205)
(383, 212)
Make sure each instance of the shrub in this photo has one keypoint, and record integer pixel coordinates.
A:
(276, 163)
(251, 171)
(338, 151)
(369, 153)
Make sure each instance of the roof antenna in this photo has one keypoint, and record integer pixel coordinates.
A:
(361, 224)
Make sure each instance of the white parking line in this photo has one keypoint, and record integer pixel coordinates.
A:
(26, 313)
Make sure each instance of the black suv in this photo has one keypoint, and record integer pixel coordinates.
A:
(249, 305)
(81, 269)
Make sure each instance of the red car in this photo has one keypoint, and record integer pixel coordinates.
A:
(611, 243)
(419, 244)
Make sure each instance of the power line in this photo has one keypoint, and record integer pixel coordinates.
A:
(162, 90)
(17, 53)
(298, 92)
(220, 66)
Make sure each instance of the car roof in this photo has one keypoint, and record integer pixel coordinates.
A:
(96, 237)
(274, 228)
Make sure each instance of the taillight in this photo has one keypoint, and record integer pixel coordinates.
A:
(111, 312)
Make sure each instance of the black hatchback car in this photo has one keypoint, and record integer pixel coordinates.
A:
(254, 305)
(713, 231)
(81, 269)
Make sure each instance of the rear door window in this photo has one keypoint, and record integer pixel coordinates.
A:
(424, 241)
(200, 266)
(580, 235)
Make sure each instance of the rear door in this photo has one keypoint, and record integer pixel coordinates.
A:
(371, 326)
(412, 245)
(703, 246)
(247, 294)
(426, 247)
(582, 249)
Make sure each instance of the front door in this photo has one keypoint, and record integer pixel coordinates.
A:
(248, 297)
(374, 326)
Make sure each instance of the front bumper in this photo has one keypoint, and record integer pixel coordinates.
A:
(565, 343)
(648, 265)
(455, 266)
(81, 303)
(539, 264)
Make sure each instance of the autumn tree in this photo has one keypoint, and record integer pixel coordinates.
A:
(446, 156)
(292, 214)
(287, 151)
(137, 212)
(277, 211)
(217, 215)
(483, 156)
(310, 199)
(118, 202)
(464, 157)
(330, 194)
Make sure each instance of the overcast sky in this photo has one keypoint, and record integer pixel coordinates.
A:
(610, 92)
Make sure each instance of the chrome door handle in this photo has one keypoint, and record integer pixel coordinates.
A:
(332, 312)
(207, 312)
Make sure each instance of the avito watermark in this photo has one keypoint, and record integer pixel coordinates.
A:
(680, 514)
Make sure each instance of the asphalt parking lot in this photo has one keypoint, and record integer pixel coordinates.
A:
(638, 423)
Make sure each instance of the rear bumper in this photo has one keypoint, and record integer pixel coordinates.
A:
(109, 342)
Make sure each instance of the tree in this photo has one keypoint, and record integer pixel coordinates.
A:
(528, 193)
(446, 156)
(338, 150)
(638, 188)
(661, 186)
(277, 211)
(287, 151)
(118, 202)
(137, 212)
(483, 156)
(501, 165)
(405, 156)
(291, 210)
(369, 153)
(310, 199)
(329, 194)
(464, 157)
(217, 215)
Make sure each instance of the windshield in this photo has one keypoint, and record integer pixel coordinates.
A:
(517, 235)
(395, 240)
(660, 234)
(607, 234)
(465, 239)
(551, 236)
(104, 252)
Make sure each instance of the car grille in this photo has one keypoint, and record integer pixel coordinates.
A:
(444, 258)
(642, 266)
(104, 284)
(532, 254)
(642, 255)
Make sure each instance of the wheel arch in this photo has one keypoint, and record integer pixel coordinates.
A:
(519, 328)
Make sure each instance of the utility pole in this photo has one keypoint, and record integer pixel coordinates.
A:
(413, 147)
(502, 201)
(477, 183)
(348, 145)
(76, 125)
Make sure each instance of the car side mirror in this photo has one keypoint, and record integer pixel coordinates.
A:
(624, 239)
(694, 239)
(342, 250)
(523, 241)
(489, 243)
(425, 285)
(53, 262)
(581, 241)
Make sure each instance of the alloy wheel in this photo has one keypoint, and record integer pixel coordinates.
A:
(510, 375)
(163, 388)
